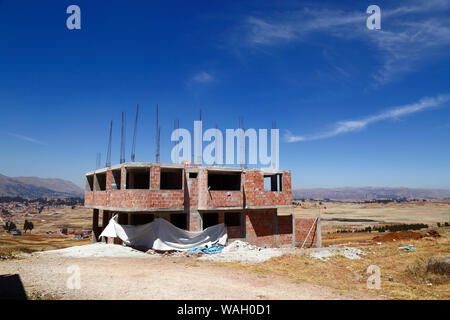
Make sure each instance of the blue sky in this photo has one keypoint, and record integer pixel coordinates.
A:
(355, 107)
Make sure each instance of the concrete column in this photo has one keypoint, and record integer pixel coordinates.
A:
(123, 178)
(195, 221)
(319, 232)
(293, 230)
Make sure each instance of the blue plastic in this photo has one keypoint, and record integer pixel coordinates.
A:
(213, 249)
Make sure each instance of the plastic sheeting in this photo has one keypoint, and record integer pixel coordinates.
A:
(162, 235)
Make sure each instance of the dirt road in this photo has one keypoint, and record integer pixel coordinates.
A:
(153, 278)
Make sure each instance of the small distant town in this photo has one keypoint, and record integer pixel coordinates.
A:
(18, 205)
(17, 214)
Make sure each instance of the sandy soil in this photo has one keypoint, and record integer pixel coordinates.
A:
(154, 278)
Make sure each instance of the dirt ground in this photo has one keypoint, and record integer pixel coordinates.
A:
(45, 277)
(287, 277)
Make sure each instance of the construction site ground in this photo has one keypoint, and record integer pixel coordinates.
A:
(404, 274)
(46, 276)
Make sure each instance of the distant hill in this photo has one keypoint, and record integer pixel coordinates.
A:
(34, 187)
(369, 193)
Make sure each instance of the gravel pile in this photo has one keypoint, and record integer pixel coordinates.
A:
(325, 253)
(98, 249)
(240, 251)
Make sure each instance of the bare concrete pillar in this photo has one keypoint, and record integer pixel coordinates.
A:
(319, 232)
(293, 230)
(195, 221)
(123, 178)
(275, 229)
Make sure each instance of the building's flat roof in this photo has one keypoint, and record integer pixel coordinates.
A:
(189, 168)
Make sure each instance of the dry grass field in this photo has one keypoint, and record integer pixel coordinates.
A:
(337, 215)
(48, 221)
(54, 219)
(404, 275)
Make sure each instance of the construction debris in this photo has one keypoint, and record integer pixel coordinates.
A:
(240, 251)
(97, 250)
(325, 253)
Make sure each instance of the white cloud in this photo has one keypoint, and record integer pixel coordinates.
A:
(25, 138)
(202, 77)
(409, 33)
(342, 127)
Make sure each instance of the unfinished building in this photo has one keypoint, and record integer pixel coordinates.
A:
(196, 197)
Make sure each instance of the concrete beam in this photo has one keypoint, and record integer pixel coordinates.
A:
(121, 209)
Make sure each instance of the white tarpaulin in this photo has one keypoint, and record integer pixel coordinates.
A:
(162, 235)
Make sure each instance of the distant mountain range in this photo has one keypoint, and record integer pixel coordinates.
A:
(34, 187)
(369, 193)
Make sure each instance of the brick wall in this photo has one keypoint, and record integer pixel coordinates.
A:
(155, 177)
(134, 198)
(232, 231)
(302, 227)
(146, 199)
(252, 185)
(284, 230)
(260, 228)
(192, 191)
(225, 199)
(255, 195)
(202, 187)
